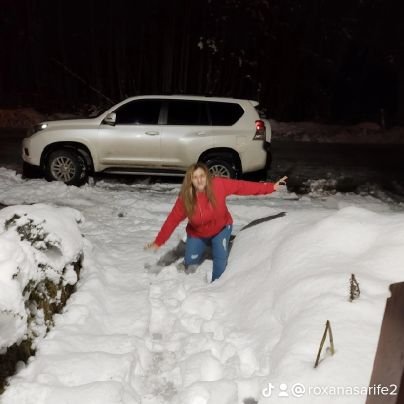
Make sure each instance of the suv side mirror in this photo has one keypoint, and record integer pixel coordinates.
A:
(110, 119)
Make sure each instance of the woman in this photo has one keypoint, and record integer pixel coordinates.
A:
(202, 200)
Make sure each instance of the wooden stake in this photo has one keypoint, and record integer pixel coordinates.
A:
(332, 349)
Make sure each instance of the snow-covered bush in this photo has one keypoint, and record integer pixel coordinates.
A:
(40, 258)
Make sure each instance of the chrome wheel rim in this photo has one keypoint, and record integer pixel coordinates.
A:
(218, 170)
(63, 169)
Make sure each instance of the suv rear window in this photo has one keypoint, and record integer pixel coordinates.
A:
(182, 112)
(139, 112)
(225, 113)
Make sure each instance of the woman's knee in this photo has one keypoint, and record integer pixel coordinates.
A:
(193, 259)
(194, 251)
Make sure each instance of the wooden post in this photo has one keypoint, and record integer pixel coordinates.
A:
(388, 367)
(332, 349)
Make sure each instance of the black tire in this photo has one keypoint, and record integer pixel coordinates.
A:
(66, 165)
(221, 168)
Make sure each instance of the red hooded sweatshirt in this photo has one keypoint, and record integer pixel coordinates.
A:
(209, 220)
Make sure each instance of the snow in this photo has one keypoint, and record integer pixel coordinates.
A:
(131, 336)
(31, 260)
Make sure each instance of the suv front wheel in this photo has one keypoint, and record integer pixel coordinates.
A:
(67, 166)
(221, 168)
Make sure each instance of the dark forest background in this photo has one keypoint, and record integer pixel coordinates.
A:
(323, 60)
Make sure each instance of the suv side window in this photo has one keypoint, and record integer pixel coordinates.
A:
(139, 112)
(182, 112)
(225, 113)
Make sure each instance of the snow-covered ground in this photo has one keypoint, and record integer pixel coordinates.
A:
(130, 336)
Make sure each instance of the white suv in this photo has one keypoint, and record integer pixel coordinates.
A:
(152, 135)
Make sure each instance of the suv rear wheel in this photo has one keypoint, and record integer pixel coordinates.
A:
(221, 168)
(67, 166)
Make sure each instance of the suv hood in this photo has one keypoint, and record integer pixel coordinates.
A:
(85, 122)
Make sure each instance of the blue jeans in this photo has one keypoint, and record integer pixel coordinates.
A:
(195, 249)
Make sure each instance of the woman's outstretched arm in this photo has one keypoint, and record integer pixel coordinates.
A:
(176, 216)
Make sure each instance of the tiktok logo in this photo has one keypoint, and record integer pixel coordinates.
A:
(267, 391)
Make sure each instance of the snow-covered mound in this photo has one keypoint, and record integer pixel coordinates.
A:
(39, 244)
(295, 274)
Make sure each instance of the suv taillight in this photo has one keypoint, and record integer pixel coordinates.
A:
(259, 130)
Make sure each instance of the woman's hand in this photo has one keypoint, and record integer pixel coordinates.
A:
(282, 181)
(151, 246)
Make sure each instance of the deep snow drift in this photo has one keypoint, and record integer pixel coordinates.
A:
(130, 336)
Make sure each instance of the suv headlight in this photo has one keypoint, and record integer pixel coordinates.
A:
(37, 128)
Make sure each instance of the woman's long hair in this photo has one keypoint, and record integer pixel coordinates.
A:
(188, 192)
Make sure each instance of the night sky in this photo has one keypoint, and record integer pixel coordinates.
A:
(328, 61)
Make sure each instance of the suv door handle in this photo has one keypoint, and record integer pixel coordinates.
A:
(152, 133)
